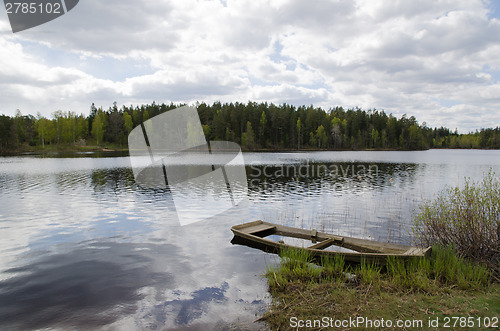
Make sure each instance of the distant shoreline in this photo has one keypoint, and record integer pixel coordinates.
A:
(61, 149)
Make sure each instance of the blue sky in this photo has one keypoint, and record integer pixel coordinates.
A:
(434, 59)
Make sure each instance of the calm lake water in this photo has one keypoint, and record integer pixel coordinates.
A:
(83, 246)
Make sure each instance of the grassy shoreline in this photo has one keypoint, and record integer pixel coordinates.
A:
(74, 148)
(63, 148)
(25, 148)
(90, 147)
(441, 287)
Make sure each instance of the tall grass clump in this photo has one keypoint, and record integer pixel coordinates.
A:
(467, 219)
(443, 268)
(295, 266)
(369, 273)
(334, 267)
(442, 271)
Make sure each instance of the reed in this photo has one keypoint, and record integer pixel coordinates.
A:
(443, 269)
(333, 268)
(369, 274)
(296, 266)
(449, 268)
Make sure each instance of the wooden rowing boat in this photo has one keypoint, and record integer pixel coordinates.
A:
(253, 234)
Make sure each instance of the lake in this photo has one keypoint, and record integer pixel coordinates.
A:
(83, 246)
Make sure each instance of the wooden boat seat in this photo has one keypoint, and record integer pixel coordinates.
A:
(258, 228)
(323, 244)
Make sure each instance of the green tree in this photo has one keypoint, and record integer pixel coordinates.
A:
(249, 136)
(41, 127)
(207, 131)
(392, 131)
(336, 132)
(375, 138)
(262, 129)
(50, 131)
(228, 135)
(128, 124)
(98, 126)
(322, 137)
(58, 119)
(114, 130)
(383, 138)
(219, 125)
(312, 139)
(5, 129)
(136, 116)
(17, 129)
(359, 140)
(73, 119)
(244, 139)
(67, 123)
(82, 127)
(299, 132)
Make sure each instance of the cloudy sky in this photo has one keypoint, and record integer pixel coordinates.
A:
(435, 59)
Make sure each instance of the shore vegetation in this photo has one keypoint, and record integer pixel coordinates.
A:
(420, 290)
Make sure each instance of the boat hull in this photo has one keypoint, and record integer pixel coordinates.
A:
(253, 234)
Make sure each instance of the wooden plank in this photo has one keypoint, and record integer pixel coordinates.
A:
(415, 251)
(298, 233)
(370, 246)
(246, 225)
(258, 228)
(362, 245)
(323, 244)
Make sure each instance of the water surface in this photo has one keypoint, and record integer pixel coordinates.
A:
(81, 245)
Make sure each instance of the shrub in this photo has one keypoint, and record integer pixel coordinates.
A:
(466, 219)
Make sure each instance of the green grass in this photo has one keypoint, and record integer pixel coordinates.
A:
(53, 148)
(443, 268)
(441, 285)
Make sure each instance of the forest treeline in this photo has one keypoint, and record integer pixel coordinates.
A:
(254, 126)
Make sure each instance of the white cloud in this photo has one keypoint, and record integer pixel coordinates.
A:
(436, 60)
